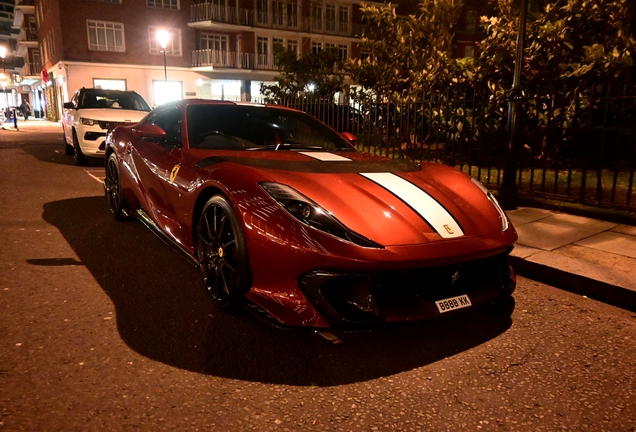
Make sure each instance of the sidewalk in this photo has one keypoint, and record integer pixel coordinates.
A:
(586, 256)
(31, 124)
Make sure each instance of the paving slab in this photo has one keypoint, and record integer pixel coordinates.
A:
(524, 215)
(579, 222)
(625, 229)
(613, 242)
(549, 236)
(522, 251)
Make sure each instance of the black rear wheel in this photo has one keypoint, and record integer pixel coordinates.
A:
(112, 188)
(222, 254)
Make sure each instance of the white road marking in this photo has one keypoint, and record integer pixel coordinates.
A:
(98, 179)
(432, 211)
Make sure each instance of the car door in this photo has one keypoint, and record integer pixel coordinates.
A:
(157, 163)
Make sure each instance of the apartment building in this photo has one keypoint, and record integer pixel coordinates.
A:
(216, 49)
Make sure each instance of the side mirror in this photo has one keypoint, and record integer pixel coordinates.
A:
(69, 105)
(149, 131)
(349, 137)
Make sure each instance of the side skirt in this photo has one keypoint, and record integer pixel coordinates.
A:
(145, 219)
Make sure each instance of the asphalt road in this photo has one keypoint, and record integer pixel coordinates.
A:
(103, 327)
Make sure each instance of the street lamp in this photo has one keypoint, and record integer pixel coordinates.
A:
(164, 37)
(508, 192)
(3, 53)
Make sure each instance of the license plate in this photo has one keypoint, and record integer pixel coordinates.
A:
(453, 303)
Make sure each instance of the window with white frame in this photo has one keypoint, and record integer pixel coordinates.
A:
(330, 18)
(262, 50)
(316, 47)
(105, 36)
(262, 8)
(278, 13)
(316, 16)
(343, 19)
(292, 45)
(163, 4)
(174, 42)
(292, 13)
(214, 42)
(343, 51)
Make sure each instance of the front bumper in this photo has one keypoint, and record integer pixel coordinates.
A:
(345, 297)
(91, 140)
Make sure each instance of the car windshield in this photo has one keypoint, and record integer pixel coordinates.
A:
(113, 100)
(258, 128)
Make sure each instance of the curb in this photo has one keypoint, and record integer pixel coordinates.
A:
(577, 284)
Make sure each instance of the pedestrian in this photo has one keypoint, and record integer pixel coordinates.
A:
(26, 109)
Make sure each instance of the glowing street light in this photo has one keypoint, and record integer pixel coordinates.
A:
(3, 77)
(164, 37)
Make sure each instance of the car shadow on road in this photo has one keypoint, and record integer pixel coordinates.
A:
(164, 314)
(50, 149)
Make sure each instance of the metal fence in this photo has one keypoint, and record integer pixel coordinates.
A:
(580, 149)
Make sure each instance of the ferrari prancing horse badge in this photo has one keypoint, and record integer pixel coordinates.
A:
(173, 174)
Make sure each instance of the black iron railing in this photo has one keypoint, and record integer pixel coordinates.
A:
(579, 149)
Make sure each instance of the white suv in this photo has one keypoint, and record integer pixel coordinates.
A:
(91, 113)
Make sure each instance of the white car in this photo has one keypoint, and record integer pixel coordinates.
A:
(91, 113)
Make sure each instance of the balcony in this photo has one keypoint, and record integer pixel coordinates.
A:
(224, 16)
(232, 60)
(30, 70)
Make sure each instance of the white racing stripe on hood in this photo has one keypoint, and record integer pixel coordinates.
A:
(427, 207)
(325, 157)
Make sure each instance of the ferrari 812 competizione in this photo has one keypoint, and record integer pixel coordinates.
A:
(281, 212)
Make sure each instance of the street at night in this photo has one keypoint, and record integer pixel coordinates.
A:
(105, 327)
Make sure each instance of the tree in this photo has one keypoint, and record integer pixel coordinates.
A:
(318, 73)
(571, 45)
(408, 54)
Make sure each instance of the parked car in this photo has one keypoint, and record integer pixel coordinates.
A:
(91, 113)
(277, 208)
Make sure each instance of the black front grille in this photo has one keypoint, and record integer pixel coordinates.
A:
(93, 136)
(106, 125)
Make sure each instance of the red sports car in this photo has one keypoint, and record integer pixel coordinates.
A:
(276, 208)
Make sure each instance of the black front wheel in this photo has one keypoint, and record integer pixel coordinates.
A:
(222, 254)
(112, 188)
(79, 157)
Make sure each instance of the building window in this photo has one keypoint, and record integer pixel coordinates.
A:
(262, 47)
(316, 47)
(174, 43)
(214, 42)
(163, 4)
(343, 50)
(469, 51)
(316, 16)
(278, 13)
(330, 18)
(292, 45)
(105, 36)
(109, 84)
(261, 11)
(471, 20)
(343, 19)
(292, 13)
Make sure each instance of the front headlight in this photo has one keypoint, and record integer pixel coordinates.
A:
(87, 121)
(310, 213)
(503, 219)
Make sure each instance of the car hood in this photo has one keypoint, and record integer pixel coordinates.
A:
(112, 114)
(392, 202)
